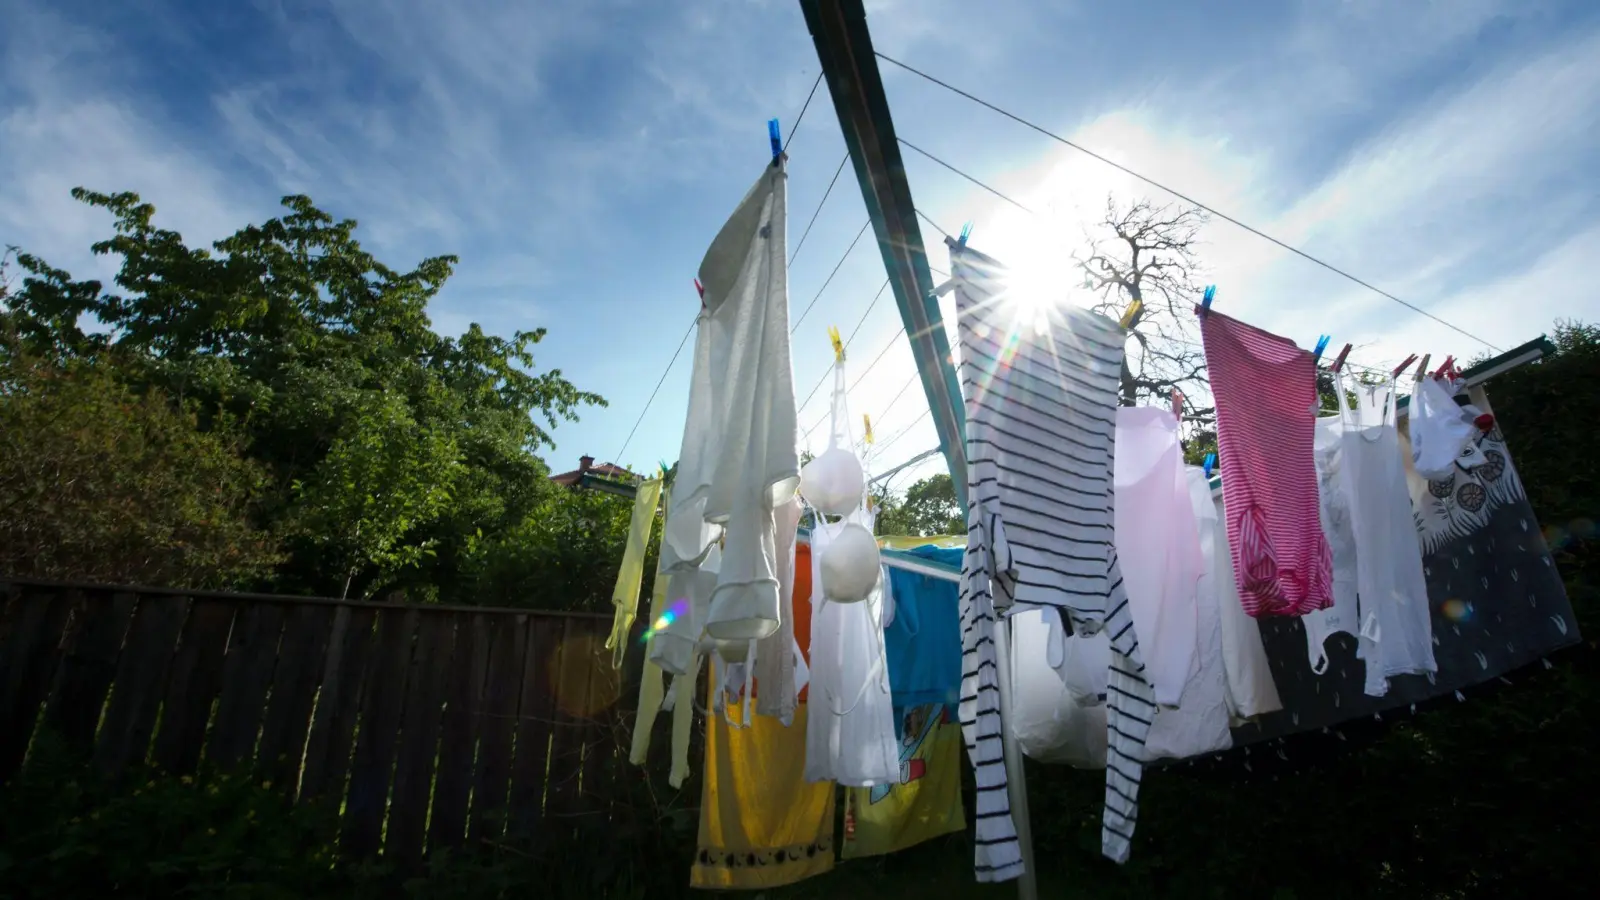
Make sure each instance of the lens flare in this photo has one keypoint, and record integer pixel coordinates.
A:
(1456, 610)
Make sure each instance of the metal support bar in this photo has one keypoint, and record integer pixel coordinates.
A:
(844, 47)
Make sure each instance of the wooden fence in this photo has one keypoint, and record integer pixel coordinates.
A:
(435, 725)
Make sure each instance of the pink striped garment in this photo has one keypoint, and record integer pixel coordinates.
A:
(1266, 396)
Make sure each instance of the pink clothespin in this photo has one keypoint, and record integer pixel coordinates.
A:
(1338, 362)
(1445, 368)
(701, 290)
(1177, 404)
(1404, 365)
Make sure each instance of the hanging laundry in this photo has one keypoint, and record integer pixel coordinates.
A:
(1158, 545)
(1251, 691)
(674, 647)
(761, 823)
(1040, 385)
(850, 736)
(1392, 594)
(1059, 691)
(652, 694)
(926, 803)
(625, 596)
(740, 463)
(1200, 722)
(777, 655)
(923, 642)
(1334, 513)
(1441, 434)
(1496, 599)
(1266, 395)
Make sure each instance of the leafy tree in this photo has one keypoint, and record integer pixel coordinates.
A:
(391, 450)
(99, 482)
(928, 507)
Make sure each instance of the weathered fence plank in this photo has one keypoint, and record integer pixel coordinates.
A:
(433, 724)
(32, 656)
(382, 704)
(419, 740)
(509, 645)
(294, 690)
(246, 677)
(458, 733)
(333, 725)
(140, 681)
(92, 643)
(568, 684)
(534, 718)
(192, 686)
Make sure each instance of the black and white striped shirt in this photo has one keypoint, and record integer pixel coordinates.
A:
(1040, 383)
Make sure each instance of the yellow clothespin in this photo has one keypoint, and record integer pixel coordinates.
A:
(838, 345)
(1130, 316)
(867, 421)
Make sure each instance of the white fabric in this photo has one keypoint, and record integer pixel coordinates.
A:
(851, 568)
(1396, 635)
(1200, 724)
(1251, 690)
(687, 536)
(1158, 546)
(777, 655)
(850, 727)
(1334, 513)
(1441, 433)
(1059, 686)
(834, 482)
(744, 463)
(673, 648)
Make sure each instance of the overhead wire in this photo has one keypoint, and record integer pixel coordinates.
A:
(803, 107)
(814, 213)
(859, 322)
(837, 266)
(1174, 192)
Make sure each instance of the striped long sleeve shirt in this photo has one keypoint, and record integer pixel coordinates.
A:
(1040, 385)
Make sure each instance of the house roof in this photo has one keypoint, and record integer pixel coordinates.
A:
(603, 470)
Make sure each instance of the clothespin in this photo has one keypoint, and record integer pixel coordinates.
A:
(1445, 367)
(1205, 301)
(866, 420)
(701, 290)
(1422, 367)
(1404, 365)
(966, 232)
(1338, 362)
(1177, 404)
(1211, 462)
(1131, 316)
(838, 345)
(776, 137)
(1322, 344)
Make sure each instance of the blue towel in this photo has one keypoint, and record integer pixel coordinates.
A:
(924, 641)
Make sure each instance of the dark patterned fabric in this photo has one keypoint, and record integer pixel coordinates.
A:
(1496, 599)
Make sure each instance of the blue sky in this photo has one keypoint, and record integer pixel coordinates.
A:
(579, 157)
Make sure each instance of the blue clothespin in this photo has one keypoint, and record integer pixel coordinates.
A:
(1205, 302)
(1322, 344)
(776, 137)
(966, 232)
(1211, 462)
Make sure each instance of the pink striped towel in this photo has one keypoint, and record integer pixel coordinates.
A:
(1266, 396)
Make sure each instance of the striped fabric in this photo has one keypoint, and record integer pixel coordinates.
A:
(1266, 395)
(1041, 392)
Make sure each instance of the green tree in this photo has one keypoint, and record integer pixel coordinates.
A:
(102, 483)
(396, 457)
(928, 507)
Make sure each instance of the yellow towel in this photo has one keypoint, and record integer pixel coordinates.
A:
(890, 818)
(761, 824)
